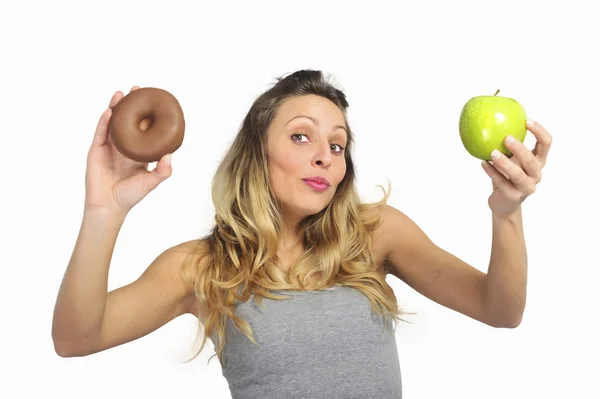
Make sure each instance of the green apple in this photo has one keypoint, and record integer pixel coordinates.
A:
(486, 121)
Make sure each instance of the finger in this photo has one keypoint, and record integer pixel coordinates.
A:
(513, 172)
(498, 179)
(115, 99)
(118, 96)
(162, 171)
(544, 141)
(101, 132)
(524, 158)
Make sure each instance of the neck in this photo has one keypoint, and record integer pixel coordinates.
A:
(290, 242)
(289, 239)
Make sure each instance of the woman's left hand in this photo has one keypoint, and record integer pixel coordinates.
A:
(515, 178)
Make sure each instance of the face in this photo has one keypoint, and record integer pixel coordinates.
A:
(305, 147)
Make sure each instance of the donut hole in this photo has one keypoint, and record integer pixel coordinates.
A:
(146, 122)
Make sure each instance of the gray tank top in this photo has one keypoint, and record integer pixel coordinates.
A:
(318, 344)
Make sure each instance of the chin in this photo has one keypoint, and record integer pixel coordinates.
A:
(303, 211)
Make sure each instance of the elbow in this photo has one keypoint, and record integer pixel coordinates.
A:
(506, 322)
(511, 324)
(69, 350)
(65, 348)
(63, 351)
(63, 345)
(69, 347)
(505, 314)
(62, 348)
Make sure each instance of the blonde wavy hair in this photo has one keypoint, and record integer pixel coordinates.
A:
(238, 257)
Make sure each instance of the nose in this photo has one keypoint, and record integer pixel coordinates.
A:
(323, 157)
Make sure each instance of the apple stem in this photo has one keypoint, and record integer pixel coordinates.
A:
(497, 91)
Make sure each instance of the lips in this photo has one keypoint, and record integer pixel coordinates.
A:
(318, 184)
(317, 179)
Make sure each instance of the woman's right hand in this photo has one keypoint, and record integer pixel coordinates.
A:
(114, 182)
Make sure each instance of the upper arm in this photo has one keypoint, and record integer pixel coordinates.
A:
(158, 296)
(429, 269)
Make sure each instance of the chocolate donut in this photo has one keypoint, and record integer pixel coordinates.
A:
(147, 124)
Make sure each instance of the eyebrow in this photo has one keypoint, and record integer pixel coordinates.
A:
(316, 122)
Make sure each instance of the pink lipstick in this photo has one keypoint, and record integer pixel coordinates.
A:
(317, 183)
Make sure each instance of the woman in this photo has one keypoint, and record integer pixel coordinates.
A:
(290, 233)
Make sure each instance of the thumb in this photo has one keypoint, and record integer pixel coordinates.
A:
(161, 172)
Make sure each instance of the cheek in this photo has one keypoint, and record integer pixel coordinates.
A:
(340, 172)
(287, 164)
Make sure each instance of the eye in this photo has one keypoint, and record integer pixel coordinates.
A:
(296, 135)
(336, 148)
(341, 149)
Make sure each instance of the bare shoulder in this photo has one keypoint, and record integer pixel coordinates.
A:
(395, 227)
(379, 235)
(393, 220)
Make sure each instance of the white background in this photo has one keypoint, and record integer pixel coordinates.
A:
(407, 68)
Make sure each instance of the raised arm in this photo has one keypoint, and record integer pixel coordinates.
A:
(88, 319)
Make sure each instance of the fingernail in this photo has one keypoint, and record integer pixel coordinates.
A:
(496, 154)
(168, 159)
(530, 122)
(510, 140)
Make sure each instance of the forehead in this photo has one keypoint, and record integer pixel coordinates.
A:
(321, 110)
